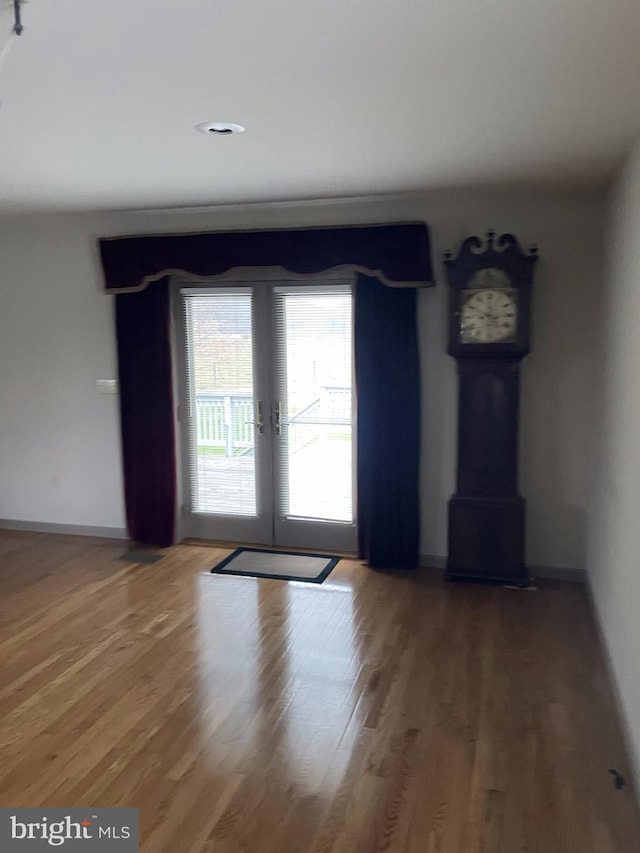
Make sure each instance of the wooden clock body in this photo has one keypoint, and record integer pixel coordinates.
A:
(489, 326)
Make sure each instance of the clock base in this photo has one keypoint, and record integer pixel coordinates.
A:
(486, 540)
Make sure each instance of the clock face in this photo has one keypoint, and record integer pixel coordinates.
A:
(488, 316)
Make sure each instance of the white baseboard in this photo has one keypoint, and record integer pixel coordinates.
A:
(629, 744)
(559, 573)
(427, 561)
(67, 529)
(438, 563)
(431, 561)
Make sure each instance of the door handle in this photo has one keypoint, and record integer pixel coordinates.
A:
(259, 423)
(277, 417)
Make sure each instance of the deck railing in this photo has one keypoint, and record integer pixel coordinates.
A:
(225, 421)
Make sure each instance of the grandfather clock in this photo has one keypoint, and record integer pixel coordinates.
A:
(489, 318)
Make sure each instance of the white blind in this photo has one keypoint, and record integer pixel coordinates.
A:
(313, 391)
(218, 359)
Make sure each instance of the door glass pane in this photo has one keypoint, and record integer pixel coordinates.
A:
(313, 387)
(221, 402)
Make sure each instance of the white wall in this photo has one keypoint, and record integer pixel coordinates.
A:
(614, 541)
(59, 451)
(59, 444)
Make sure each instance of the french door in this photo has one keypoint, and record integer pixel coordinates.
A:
(267, 413)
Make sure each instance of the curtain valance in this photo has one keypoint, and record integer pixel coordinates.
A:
(397, 254)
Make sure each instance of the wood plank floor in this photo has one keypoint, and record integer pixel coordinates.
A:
(372, 713)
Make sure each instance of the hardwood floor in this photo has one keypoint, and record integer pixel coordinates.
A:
(372, 713)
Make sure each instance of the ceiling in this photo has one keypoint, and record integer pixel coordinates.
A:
(339, 98)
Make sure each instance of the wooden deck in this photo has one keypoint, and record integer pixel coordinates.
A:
(372, 713)
(320, 482)
(224, 483)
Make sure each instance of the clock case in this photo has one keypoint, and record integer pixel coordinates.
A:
(486, 529)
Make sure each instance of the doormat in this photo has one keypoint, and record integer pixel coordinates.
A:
(280, 565)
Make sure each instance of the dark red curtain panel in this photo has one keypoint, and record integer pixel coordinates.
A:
(146, 414)
(398, 252)
(387, 371)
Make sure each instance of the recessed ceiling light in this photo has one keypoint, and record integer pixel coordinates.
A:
(220, 128)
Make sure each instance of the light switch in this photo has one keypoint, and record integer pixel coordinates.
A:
(107, 386)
